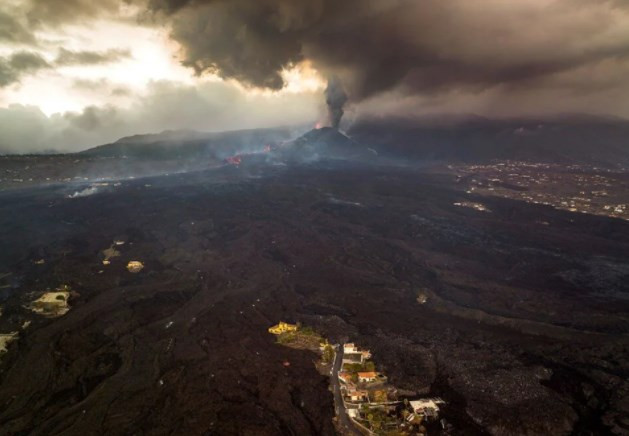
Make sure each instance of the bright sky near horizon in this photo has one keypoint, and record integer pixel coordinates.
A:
(77, 73)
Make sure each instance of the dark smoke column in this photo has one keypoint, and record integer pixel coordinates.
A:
(335, 98)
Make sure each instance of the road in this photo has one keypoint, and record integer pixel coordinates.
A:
(344, 420)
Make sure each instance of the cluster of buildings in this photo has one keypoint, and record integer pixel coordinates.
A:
(358, 374)
(373, 405)
(361, 386)
(282, 327)
(478, 206)
(368, 400)
(575, 188)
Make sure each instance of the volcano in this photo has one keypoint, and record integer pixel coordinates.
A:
(324, 143)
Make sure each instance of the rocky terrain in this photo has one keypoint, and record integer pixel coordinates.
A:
(521, 327)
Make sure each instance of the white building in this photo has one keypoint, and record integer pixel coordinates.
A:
(428, 407)
(353, 354)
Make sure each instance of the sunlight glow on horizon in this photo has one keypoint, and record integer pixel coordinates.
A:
(153, 58)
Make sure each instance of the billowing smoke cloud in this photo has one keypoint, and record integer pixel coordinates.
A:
(335, 98)
(421, 47)
(488, 57)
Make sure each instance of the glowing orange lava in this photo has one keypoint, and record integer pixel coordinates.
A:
(234, 160)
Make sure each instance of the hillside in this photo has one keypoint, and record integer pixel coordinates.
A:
(574, 139)
(327, 143)
(188, 144)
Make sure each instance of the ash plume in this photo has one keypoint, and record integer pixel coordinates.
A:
(427, 47)
(335, 98)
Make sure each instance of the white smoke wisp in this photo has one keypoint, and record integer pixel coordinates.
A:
(85, 192)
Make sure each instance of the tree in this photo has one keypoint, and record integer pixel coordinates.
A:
(307, 330)
(328, 353)
(376, 418)
(380, 396)
(352, 367)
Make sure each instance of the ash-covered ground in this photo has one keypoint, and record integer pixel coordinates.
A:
(524, 328)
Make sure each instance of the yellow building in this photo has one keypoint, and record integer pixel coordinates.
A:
(282, 327)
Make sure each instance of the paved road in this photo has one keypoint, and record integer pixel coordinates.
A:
(338, 399)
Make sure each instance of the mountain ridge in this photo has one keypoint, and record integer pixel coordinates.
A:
(564, 138)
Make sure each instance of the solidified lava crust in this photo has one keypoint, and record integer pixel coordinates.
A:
(182, 346)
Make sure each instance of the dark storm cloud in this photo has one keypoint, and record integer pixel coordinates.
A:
(11, 30)
(247, 41)
(56, 12)
(18, 64)
(85, 57)
(19, 21)
(234, 39)
(421, 46)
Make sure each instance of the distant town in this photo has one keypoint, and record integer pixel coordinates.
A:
(575, 188)
(366, 403)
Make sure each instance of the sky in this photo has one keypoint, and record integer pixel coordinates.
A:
(79, 73)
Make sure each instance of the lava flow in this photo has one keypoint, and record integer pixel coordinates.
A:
(237, 158)
(234, 160)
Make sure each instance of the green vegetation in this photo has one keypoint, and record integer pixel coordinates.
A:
(379, 421)
(378, 396)
(309, 331)
(306, 338)
(328, 353)
(359, 367)
(376, 418)
(286, 338)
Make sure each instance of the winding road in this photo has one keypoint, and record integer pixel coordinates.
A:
(344, 420)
